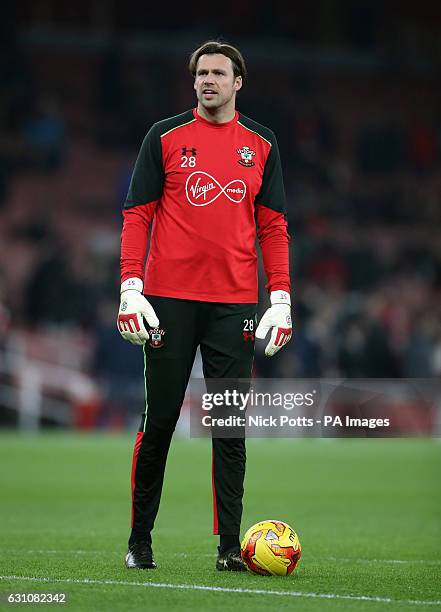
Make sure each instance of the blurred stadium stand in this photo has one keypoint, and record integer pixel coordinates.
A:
(351, 89)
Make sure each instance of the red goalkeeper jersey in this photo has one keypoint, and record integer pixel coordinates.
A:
(206, 188)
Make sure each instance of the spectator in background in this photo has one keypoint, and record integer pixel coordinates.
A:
(423, 148)
(17, 96)
(381, 146)
(44, 134)
(418, 357)
(49, 283)
(120, 372)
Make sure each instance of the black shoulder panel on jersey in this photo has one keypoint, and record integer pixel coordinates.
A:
(272, 191)
(166, 125)
(148, 175)
(257, 128)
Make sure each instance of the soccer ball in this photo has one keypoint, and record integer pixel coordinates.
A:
(271, 548)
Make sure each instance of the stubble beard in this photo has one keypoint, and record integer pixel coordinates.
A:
(214, 105)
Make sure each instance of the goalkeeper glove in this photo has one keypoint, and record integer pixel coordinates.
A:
(278, 319)
(132, 309)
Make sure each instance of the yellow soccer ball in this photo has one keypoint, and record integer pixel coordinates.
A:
(271, 548)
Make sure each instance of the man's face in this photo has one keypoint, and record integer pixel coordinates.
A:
(215, 83)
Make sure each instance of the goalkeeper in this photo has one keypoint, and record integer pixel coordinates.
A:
(205, 181)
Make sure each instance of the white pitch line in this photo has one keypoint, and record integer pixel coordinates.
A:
(212, 555)
(391, 561)
(216, 589)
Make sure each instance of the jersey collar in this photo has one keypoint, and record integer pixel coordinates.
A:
(215, 125)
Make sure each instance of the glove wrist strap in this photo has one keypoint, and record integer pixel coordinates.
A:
(132, 283)
(280, 297)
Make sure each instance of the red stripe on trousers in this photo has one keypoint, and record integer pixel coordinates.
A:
(213, 486)
(136, 448)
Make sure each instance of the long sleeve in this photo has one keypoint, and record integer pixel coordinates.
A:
(272, 230)
(273, 238)
(134, 238)
(139, 208)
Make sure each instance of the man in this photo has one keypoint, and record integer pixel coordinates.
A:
(202, 179)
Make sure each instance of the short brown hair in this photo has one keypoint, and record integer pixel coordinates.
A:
(214, 46)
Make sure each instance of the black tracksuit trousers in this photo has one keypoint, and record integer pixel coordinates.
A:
(225, 334)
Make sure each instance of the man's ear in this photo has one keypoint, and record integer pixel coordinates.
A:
(238, 83)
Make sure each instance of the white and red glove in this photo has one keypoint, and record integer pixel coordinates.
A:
(132, 309)
(278, 319)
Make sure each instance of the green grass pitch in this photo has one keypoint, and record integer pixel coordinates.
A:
(368, 513)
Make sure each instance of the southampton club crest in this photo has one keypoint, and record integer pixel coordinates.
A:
(156, 338)
(246, 155)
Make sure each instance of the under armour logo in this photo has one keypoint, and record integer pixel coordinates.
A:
(192, 151)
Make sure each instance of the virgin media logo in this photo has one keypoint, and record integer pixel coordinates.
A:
(202, 189)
